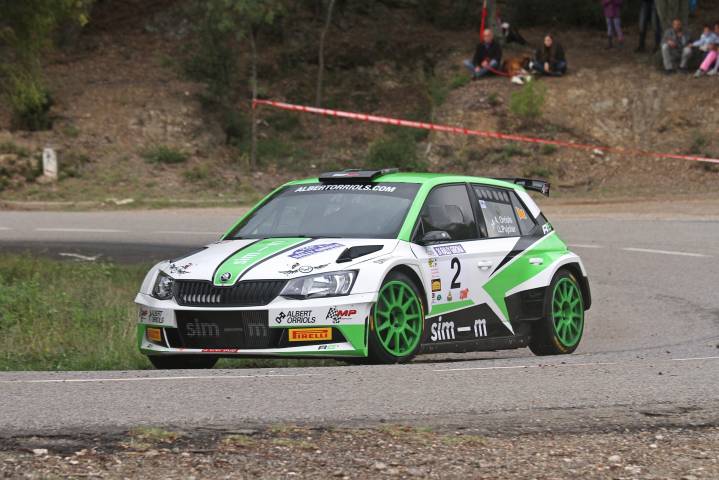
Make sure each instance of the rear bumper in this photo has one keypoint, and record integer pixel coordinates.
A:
(332, 327)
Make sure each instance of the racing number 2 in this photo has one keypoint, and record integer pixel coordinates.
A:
(455, 283)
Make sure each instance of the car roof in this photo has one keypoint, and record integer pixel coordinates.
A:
(426, 178)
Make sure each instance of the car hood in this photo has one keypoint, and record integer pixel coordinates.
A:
(225, 262)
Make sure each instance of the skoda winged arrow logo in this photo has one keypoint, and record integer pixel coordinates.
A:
(225, 276)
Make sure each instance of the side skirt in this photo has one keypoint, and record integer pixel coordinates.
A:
(479, 345)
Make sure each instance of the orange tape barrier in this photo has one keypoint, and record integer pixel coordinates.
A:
(477, 133)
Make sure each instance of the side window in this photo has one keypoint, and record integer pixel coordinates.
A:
(497, 211)
(524, 218)
(448, 209)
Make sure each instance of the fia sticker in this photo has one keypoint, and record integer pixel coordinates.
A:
(482, 204)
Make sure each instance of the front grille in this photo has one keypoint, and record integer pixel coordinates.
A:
(250, 293)
(223, 330)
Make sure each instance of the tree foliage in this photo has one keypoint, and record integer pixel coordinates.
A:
(27, 28)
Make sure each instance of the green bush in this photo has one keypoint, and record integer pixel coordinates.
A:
(528, 102)
(548, 149)
(30, 103)
(73, 165)
(284, 121)
(163, 154)
(273, 149)
(398, 150)
(197, 173)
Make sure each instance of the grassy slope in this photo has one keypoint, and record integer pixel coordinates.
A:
(58, 315)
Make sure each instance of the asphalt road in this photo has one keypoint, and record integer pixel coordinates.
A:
(650, 354)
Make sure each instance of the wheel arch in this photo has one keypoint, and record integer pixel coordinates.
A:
(576, 269)
(412, 274)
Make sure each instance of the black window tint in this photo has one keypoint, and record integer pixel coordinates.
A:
(448, 209)
(497, 211)
(524, 218)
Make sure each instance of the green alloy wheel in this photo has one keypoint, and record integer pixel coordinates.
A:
(561, 329)
(398, 321)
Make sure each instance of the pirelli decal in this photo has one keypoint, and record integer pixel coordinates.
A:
(309, 334)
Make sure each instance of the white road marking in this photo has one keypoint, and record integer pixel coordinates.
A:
(664, 252)
(562, 365)
(5, 228)
(81, 230)
(508, 367)
(584, 245)
(693, 359)
(152, 379)
(180, 232)
(464, 329)
(80, 257)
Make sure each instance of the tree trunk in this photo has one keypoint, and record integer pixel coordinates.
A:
(253, 116)
(321, 62)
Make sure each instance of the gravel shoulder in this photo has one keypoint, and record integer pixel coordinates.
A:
(391, 451)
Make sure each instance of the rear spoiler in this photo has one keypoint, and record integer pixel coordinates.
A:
(530, 184)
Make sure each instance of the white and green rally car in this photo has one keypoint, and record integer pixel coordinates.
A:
(371, 264)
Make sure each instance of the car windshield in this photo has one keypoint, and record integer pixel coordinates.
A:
(374, 210)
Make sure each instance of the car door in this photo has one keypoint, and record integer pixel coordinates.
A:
(503, 221)
(448, 264)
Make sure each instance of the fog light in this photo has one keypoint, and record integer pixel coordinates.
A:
(154, 335)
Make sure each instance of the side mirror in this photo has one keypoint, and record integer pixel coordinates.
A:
(435, 236)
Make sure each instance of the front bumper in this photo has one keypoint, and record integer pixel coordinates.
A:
(329, 327)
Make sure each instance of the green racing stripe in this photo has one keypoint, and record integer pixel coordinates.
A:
(549, 249)
(235, 266)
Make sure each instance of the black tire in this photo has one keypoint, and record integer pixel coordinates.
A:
(378, 354)
(181, 362)
(545, 340)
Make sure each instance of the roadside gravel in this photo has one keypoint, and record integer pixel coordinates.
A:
(385, 452)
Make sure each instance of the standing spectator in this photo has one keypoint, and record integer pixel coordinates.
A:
(671, 9)
(648, 16)
(612, 13)
(549, 59)
(487, 57)
(675, 48)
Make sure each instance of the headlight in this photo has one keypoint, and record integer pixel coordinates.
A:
(331, 284)
(163, 287)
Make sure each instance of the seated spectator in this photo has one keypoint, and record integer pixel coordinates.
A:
(709, 65)
(549, 59)
(707, 39)
(675, 48)
(487, 57)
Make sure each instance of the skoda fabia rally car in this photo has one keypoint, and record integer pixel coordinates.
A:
(376, 265)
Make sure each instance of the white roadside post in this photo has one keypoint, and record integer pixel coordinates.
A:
(49, 164)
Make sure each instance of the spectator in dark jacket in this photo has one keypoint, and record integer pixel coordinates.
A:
(487, 57)
(648, 16)
(549, 59)
(612, 14)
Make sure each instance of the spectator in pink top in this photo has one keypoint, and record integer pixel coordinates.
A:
(612, 13)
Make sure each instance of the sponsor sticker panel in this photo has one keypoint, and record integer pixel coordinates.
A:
(352, 314)
(156, 316)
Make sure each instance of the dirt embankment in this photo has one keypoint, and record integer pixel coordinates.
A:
(390, 452)
(120, 92)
